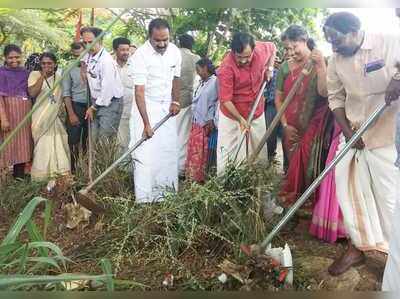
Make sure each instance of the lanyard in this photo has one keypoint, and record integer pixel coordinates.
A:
(47, 82)
(91, 71)
(52, 96)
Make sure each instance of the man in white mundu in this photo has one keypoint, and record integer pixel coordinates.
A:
(156, 72)
(361, 76)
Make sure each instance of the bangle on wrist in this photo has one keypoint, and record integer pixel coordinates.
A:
(284, 125)
(94, 107)
(176, 103)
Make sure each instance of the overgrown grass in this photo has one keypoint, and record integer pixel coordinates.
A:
(31, 262)
(190, 232)
(200, 220)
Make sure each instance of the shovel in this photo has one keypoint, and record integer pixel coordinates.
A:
(252, 250)
(83, 198)
(249, 120)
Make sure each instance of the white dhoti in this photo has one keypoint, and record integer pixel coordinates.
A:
(366, 183)
(156, 160)
(229, 135)
(391, 276)
(184, 124)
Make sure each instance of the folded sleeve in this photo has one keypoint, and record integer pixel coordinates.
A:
(66, 85)
(336, 91)
(139, 70)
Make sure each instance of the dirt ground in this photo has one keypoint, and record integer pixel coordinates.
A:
(199, 269)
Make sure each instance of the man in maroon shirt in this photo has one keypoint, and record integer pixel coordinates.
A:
(240, 77)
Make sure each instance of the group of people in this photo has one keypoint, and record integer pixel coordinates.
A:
(210, 109)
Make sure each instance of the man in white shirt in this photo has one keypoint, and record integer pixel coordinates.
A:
(121, 46)
(105, 86)
(156, 72)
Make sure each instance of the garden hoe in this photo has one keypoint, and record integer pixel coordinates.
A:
(255, 250)
(82, 196)
(308, 68)
(249, 120)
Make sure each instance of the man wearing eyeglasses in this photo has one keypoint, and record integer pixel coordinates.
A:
(241, 75)
(361, 76)
(105, 86)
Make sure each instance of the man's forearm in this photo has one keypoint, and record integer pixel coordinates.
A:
(232, 110)
(340, 116)
(68, 105)
(141, 104)
(176, 88)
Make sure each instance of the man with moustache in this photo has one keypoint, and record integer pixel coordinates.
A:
(241, 75)
(121, 46)
(156, 72)
(361, 76)
(105, 86)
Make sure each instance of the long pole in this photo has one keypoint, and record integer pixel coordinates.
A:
(323, 174)
(123, 157)
(305, 72)
(45, 96)
(249, 120)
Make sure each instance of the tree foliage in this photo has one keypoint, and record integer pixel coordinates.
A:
(39, 29)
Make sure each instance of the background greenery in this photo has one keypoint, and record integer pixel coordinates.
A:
(36, 30)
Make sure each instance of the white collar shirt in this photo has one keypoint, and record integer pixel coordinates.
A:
(155, 71)
(103, 77)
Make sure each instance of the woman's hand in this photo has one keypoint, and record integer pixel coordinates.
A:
(318, 58)
(5, 125)
(291, 133)
(209, 127)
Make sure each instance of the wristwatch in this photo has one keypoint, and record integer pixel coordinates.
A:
(396, 76)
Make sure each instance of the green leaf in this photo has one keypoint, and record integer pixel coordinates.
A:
(22, 260)
(107, 269)
(40, 260)
(7, 281)
(35, 236)
(47, 218)
(6, 249)
(22, 219)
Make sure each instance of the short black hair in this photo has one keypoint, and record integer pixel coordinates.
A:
(33, 62)
(158, 23)
(50, 55)
(95, 30)
(344, 22)
(186, 41)
(11, 48)
(206, 62)
(297, 33)
(120, 41)
(77, 45)
(240, 40)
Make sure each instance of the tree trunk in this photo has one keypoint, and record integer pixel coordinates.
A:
(92, 17)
